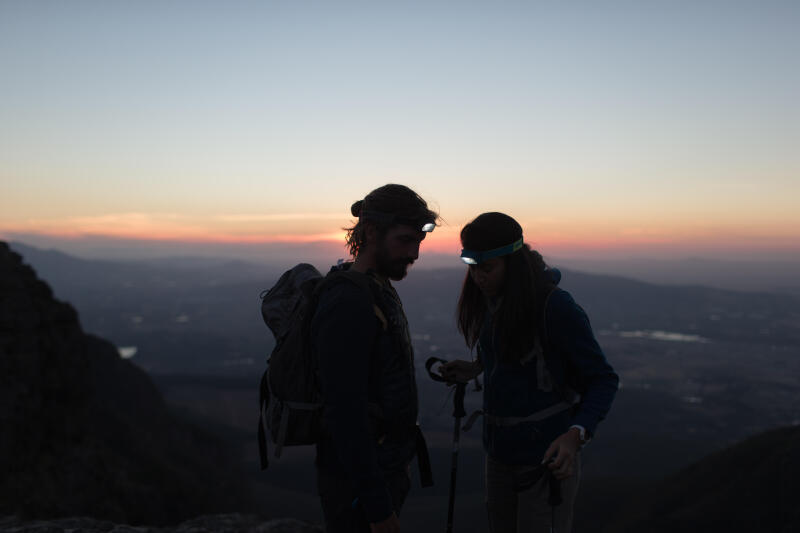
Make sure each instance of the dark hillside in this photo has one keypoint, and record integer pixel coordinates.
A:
(83, 432)
(750, 487)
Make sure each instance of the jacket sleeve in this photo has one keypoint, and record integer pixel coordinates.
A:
(585, 365)
(344, 330)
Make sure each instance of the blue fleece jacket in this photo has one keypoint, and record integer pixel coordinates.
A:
(573, 359)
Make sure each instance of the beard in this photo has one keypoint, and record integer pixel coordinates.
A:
(392, 268)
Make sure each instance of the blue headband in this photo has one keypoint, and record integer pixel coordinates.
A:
(472, 257)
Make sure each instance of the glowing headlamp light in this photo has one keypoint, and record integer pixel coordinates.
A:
(422, 224)
(472, 257)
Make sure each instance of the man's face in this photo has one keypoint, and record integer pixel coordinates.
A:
(398, 249)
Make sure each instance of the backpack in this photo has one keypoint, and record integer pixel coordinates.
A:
(289, 395)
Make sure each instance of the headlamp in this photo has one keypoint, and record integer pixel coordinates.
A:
(472, 257)
(428, 227)
(424, 225)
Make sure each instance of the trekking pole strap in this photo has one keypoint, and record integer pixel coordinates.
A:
(472, 418)
(554, 498)
(429, 367)
(282, 430)
(461, 388)
(262, 442)
(263, 403)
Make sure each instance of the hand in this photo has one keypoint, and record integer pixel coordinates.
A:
(459, 371)
(563, 451)
(390, 525)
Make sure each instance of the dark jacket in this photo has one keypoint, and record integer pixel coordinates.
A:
(572, 359)
(369, 389)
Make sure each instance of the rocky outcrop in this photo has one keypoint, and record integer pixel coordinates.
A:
(751, 486)
(231, 523)
(83, 432)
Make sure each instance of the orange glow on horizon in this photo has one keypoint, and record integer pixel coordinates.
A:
(546, 235)
(184, 236)
(292, 228)
(450, 245)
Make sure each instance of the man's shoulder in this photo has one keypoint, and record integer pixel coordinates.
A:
(343, 305)
(343, 292)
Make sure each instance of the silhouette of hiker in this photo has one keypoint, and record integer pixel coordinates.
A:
(366, 366)
(547, 381)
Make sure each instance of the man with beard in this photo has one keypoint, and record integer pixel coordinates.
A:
(366, 367)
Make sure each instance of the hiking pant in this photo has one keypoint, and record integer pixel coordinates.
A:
(527, 511)
(337, 495)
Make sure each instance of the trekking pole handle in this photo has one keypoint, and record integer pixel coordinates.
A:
(461, 388)
(429, 367)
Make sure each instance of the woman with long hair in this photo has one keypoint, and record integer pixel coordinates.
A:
(547, 383)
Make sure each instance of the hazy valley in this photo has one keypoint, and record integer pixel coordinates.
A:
(701, 369)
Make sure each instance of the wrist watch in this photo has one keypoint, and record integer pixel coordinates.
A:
(582, 434)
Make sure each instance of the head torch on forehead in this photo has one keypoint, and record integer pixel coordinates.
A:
(472, 257)
(423, 224)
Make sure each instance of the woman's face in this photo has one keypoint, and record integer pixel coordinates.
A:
(488, 276)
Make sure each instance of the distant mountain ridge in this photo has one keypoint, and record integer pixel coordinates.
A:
(145, 304)
(765, 274)
(83, 432)
(62, 269)
(619, 303)
(759, 271)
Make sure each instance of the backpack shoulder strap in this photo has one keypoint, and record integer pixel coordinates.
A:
(367, 286)
(381, 317)
(545, 336)
(555, 363)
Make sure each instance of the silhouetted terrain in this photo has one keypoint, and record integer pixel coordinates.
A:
(235, 522)
(765, 274)
(87, 433)
(701, 369)
(752, 486)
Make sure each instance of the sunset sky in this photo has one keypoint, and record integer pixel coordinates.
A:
(644, 128)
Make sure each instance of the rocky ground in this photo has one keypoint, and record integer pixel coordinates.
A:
(227, 523)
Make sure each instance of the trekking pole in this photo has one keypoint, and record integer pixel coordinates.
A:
(458, 414)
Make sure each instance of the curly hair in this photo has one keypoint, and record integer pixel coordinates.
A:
(392, 199)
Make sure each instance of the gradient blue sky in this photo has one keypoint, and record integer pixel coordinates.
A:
(648, 127)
